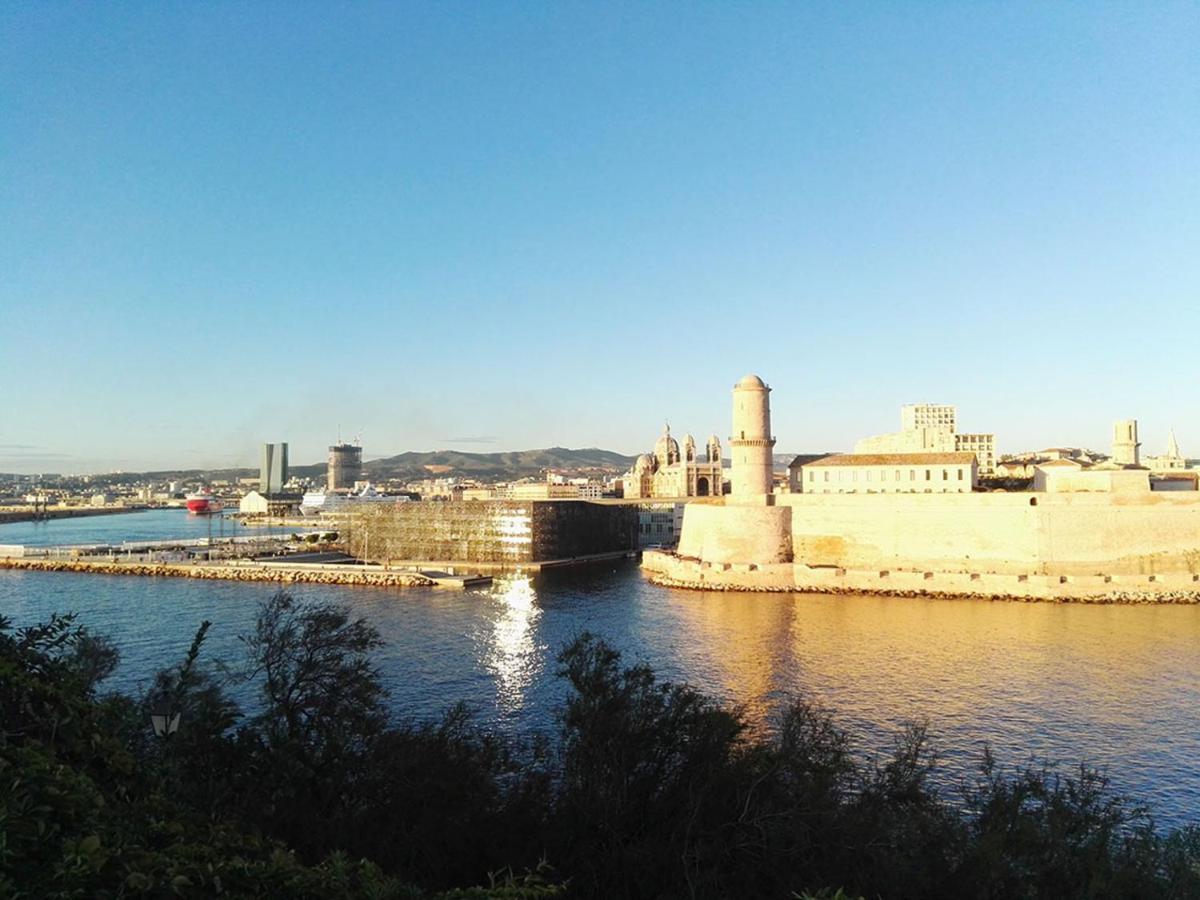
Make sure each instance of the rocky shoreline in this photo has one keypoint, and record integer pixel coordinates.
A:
(225, 573)
(1115, 597)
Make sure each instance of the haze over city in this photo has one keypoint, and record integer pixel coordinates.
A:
(501, 227)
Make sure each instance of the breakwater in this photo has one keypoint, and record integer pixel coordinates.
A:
(29, 515)
(274, 572)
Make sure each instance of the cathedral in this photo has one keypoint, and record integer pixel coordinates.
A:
(672, 472)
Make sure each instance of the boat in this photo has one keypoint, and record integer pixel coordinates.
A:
(203, 503)
(322, 502)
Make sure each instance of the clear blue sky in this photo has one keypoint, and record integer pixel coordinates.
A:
(500, 225)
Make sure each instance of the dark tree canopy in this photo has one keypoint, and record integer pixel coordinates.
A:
(648, 789)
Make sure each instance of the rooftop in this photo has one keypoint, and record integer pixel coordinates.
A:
(750, 381)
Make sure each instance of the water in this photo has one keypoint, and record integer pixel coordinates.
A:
(1117, 686)
(142, 525)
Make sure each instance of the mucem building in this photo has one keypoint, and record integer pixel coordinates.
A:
(494, 531)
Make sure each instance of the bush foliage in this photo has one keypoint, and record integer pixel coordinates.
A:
(650, 790)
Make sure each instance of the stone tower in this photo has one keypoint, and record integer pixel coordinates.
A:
(713, 449)
(1125, 443)
(751, 442)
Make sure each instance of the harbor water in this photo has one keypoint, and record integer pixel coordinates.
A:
(1113, 686)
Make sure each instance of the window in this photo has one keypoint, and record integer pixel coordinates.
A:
(928, 475)
(810, 476)
(897, 474)
(912, 474)
(960, 471)
(945, 475)
(826, 476)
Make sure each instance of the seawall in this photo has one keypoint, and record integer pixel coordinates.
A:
(667, 568)
(274, 572)
(28, 515)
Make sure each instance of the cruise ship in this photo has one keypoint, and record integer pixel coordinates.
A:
(322, 502)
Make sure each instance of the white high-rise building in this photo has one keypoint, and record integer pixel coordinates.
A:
(927, 415)
(932, 428)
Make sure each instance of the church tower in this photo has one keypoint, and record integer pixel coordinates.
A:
(751, 442)
(713, 449)
(1125, 443)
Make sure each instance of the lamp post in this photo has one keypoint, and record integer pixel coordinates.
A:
(164, 721)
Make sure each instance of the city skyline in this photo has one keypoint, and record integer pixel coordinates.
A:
(515, 227)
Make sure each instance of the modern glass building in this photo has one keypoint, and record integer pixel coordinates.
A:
(492, 531)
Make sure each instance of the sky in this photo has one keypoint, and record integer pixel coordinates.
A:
(491, 226)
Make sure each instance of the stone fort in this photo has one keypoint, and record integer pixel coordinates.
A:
(1104, 545)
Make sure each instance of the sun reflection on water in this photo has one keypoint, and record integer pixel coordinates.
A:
(514, 656)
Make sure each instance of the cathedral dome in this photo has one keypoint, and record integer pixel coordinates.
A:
(666, 449)
(644, 463)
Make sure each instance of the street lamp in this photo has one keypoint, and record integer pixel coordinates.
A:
(163, 719)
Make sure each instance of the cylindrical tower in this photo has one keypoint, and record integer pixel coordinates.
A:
(345, 467)
(1125, 450)
(751, 442)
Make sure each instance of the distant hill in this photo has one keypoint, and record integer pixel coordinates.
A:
(498, 466)
(417, 465)
(412, 466)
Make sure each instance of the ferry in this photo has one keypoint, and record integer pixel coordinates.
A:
(203, 503)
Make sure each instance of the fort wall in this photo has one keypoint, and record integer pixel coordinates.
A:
(737, 534)
(1018, 533)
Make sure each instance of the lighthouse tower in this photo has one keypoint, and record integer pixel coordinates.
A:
(751, 442)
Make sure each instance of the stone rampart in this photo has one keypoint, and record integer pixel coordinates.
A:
(1004, 533)
(735, 533)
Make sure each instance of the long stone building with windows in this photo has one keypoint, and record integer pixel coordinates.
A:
(890, 473)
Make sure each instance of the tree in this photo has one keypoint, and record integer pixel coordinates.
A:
(321, 711)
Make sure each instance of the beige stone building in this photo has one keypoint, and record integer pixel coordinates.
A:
(932, 428)
(672, 471)
(1171, 461)
(1062, 476)
(542, 490)
(891, 473)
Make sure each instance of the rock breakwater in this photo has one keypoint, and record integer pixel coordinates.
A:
(274, 573)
